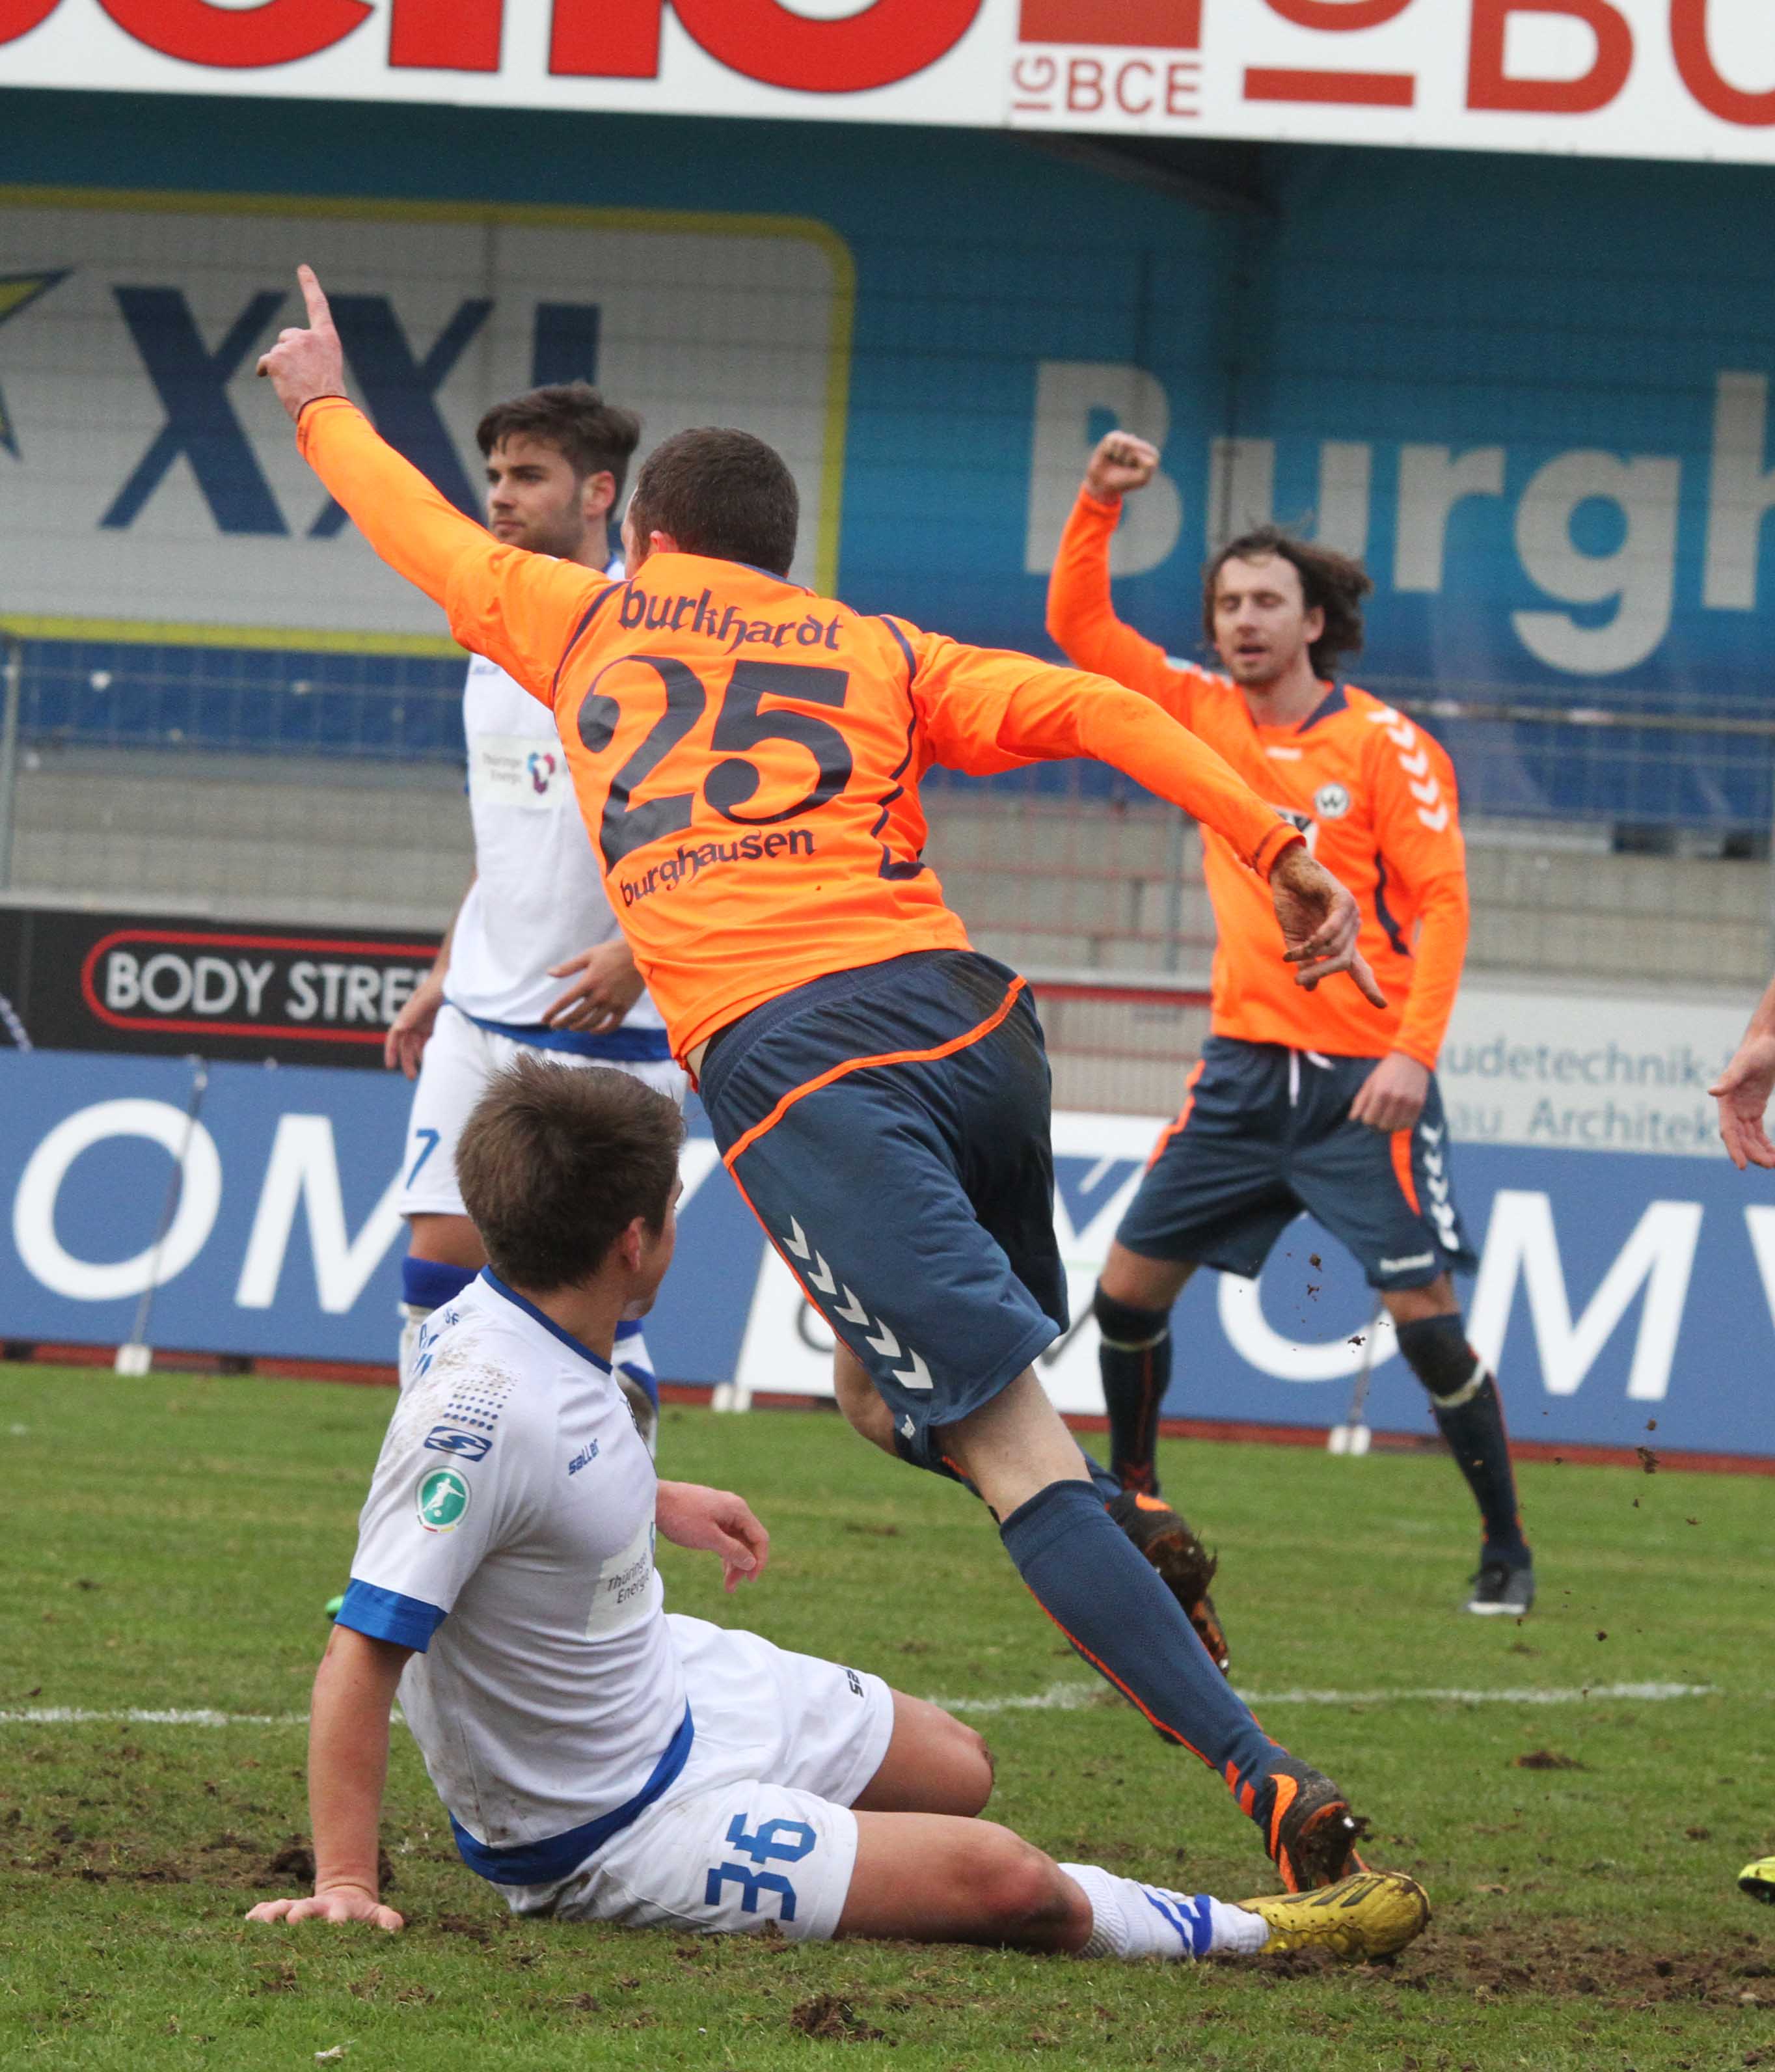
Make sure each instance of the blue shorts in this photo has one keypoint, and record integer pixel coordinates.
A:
(890, 1128)
(1266, 1134)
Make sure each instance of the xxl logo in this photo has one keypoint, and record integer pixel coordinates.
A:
(399, 384)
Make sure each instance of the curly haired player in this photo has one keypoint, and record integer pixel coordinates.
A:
(1301, 1102)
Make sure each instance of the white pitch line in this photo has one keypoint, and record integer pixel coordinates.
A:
(1653, 1694)
(1067, 1697)
(54, 1716)
(1071, 1697)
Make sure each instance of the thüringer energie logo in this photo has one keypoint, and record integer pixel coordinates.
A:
(442, 1500)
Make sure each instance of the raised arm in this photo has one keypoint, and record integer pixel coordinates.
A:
(347, 1768)
(986, 710)
(518, 609)
(1081, 617)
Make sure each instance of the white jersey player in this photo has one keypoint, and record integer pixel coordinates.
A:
(536, 913)
(600, 1758)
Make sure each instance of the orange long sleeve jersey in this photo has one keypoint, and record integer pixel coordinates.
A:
(747, 754)
(1374, 796)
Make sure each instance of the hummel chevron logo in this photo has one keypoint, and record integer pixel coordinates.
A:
(1416, 766)
(1430, 1136)
(1436, 822)
(821, 1278)
(1427, 794)
(918, 1376)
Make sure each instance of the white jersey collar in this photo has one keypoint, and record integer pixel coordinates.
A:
(536, 1316)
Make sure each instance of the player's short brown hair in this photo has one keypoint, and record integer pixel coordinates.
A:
(557, 1161)
(592, 436)
(720, 492)
(1331, 582)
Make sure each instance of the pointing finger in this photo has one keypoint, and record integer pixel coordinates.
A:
(1366, 981)
(319, 315)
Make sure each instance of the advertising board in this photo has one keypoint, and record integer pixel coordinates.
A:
(75, 980)
(1692, 79)
(153, 490)
(1622, 1292)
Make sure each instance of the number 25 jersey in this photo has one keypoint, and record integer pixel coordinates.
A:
(747, 754)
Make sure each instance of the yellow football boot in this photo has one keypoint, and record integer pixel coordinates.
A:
(1758, 1880)
(1374, 1913)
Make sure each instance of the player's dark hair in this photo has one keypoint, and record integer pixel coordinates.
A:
(557, 1161)
(592, 436)
(722, 493)
(1330, 582)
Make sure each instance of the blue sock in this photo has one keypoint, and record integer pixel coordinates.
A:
(1091, 1580)
(632, 1359)
(428, 1284)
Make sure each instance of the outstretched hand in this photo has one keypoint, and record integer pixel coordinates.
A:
(339, 1902)
(715, 1522)
(1743, 1091)
(305, 364)
(1120, 464)
(1320, 922)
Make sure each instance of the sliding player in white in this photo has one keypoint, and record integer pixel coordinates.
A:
(535, 912)
(600, 1759)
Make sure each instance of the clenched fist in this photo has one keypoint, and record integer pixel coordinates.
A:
(1120, 464)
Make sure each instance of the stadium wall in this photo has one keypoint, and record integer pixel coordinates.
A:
(1534, 391)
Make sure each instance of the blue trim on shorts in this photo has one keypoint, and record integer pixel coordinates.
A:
(547, 1322)
(617, 1046)
(386, 1615)
(560, 1856)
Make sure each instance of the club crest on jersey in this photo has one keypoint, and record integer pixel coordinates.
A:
(1331, 802)
(441, 1500)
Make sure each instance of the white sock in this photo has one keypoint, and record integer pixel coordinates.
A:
(1131, 1920)
(413, 1322)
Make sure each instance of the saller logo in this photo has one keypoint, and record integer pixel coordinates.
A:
(447, 1439)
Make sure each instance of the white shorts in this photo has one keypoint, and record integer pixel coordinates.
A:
(454, 1068)
(757, 1829)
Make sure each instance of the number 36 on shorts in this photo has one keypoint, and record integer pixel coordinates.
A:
(781, 1841)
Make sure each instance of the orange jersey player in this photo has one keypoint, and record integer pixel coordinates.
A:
(1299, 1104)
(747, 755)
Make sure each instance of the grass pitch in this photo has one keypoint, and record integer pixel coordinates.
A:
(170, 1543)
